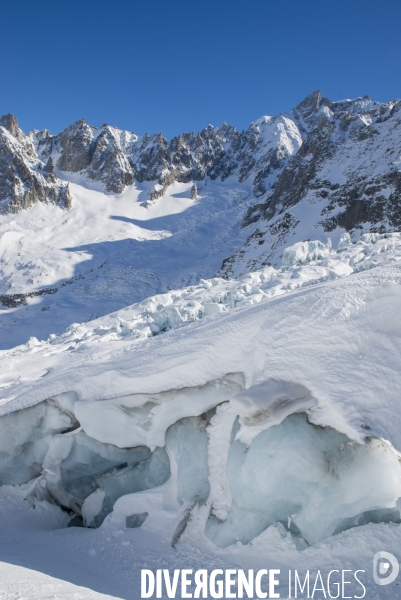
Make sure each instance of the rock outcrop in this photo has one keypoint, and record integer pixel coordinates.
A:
(116, 158)
(24, 178)
(194, 192)
(346, 175)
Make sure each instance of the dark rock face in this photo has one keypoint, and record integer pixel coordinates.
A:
(115, 158)
(98, 153)
(109, 161)
(14, 300)
(194, 192)
(10, 123)
(347, 173)
(75, 144)
(24, 180)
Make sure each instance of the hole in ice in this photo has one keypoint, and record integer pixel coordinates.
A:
(135, 520)
(383, 515)
(76, 521)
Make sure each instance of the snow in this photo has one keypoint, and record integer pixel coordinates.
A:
(281, 127)
(305, 252)
(267, 404)
(107, 252)
(20, 582)
(220, 438)
(155, 415)
(263, 432)
(144, 418)
(176, 309)
(362, 160)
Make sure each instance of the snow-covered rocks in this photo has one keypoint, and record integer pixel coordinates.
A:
(25, 179)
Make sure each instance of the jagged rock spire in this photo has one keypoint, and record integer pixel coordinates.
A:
(10, 123)
(49, 167)
(194, 191)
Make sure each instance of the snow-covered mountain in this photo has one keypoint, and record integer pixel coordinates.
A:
(97, 218)
(345, 175)
(24, 179)
(200, 350)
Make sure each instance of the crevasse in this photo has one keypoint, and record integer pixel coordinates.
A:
(216, 461)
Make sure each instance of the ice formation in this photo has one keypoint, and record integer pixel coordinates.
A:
(272, 411)
(303, 252)
(217, 461)
(304, 264)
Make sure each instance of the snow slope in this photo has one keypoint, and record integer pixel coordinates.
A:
(292, 379)
(108, 252)
(33, 585)
(304, 264)
(277, 339)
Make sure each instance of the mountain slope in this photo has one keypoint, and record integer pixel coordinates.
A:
(209, 421)
(346, 175)
(98, 218)
(24, 178)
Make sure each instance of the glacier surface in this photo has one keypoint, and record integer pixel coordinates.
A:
(268, 427)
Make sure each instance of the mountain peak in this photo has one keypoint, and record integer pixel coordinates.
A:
(10, 123)
(311, 103)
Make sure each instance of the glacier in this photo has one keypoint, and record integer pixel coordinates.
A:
(263, 430)
(95, 219)
(240, 460)
(304, 264)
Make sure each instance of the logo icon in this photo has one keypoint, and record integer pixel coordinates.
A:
(385, 568)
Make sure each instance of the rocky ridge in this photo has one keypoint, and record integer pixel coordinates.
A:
(25, 179)
(335, 164)
(346, 176)
(116, 158)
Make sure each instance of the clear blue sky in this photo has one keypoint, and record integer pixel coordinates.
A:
(177, 65)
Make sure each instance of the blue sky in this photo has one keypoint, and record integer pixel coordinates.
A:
(175, 65)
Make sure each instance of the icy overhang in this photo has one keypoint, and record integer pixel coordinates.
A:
(267, 404)
(139, 419)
